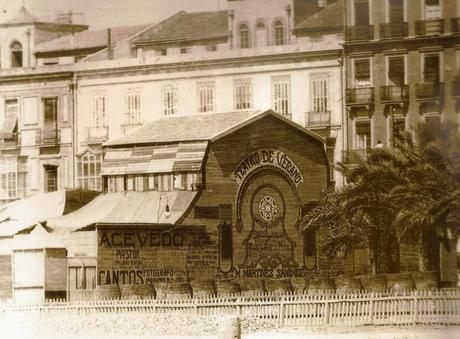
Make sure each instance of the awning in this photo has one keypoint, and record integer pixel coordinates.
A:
(39, 238)
(26, 213)
(175, 157)
(128, 208)
(9, 124)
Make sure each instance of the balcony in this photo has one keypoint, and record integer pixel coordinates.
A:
(10, 142)
(318, 119)
(429, 91)
(429, 27)
(393, 93)
(48, 137)
(357, 33)
(97, 135)
(455, 25)
(455, 90)
(350, 156)
(394, 30)
(360, 96)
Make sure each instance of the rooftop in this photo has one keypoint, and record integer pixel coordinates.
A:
(188, 26)
(90, 39)
(200, 127)
(329, 16)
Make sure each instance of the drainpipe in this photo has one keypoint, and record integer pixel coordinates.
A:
(343, 82)
(109, 43)
(74, 88)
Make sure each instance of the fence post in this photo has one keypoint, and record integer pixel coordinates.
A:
(281, 311)
(371, 308)
(326, 312)
(415, 306)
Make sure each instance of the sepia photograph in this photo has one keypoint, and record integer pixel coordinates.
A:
(230, 169)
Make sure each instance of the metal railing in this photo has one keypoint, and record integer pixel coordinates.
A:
(356, 33)
(394, 30)
(350, 156)
(318, 119)
(393, 93)
(429, 90)
(11, 142)
(429, 27)
(97, 134)
(362, 95)
(46, 137)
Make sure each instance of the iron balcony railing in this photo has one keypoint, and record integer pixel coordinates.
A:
(356, 33)
(360, 96)
(429, 90)
(429, 27)
(394, 93)
(97, 134)
(455, 88)
(11, 141)
(318, 119)
(394, 30)
(47, 137)
(455, 25)
(350, 156)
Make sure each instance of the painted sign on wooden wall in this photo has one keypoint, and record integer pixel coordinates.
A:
(139, 256)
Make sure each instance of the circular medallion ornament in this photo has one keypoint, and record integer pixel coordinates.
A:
(268, 209)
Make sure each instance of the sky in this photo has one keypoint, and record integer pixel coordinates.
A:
(108, 13)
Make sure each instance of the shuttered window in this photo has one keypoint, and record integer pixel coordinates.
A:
(133, 108)
(169, 100)
(98, 111)
(281, 94)
(242, 94)
(320, 93)
(206, 97)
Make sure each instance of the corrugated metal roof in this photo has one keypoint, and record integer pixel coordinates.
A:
(128, 207)
(184, 26)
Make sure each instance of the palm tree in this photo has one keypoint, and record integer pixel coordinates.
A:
(412, 189)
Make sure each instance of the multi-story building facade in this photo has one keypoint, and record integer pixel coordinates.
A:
(37, 100)
(65, 90)
(402, 67)
(225, 61)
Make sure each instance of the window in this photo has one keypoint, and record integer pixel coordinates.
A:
(281, 94)
(185, 50)
(362, 72)
(133, 108)
(98, 111)
(206, 97)
(242, 94)
(89, 171)
(51, 183)
(244, 36)
(13, 184)
(162, 51)
(431, 68)
(396, 11)
(50, 128)
(432, 10)
(169, 100)
(16, 54)
(396, 71)
(320, 93)
(361, 13)
(278, 30)
(261, 34)
(10, 118)
(363, 136)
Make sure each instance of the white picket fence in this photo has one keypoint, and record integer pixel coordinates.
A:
(409, 307)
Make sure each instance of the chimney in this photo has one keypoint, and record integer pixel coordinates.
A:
(109, 43)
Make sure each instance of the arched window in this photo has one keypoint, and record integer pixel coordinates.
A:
(261, 34)
(278, 28)
(244, 36)
(16, 54)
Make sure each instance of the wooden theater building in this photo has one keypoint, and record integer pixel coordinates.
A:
(216, 196)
